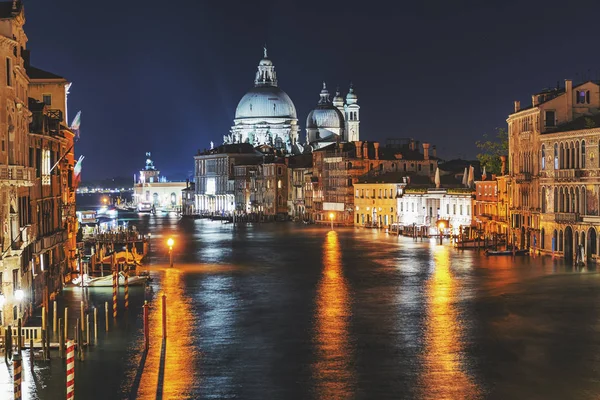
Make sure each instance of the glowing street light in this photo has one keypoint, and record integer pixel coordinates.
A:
(2, 301)
(331, 216)
(19, 294)
(441, 224)
(170, 243)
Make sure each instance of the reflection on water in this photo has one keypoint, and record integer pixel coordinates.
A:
(170, 366)
(332, 370)
(444, 374)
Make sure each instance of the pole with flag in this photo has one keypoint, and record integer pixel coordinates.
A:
(75, 128)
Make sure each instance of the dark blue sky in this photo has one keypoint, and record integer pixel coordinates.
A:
(166, 76)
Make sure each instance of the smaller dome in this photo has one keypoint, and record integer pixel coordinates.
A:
(325, 117)
(351, 97)
(338, 100)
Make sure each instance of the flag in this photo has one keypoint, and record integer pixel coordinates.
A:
(76, 124)
(77, 171)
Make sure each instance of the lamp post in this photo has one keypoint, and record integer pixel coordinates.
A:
(170, 243)
(331, 218)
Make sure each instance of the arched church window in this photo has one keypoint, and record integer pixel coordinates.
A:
(583, 154)
(543, 156)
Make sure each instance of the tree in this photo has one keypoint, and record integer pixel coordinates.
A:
(491, 150)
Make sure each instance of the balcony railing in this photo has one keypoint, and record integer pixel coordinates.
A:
(523, 177)
(567, 173)
(567, 218)
(16, 173)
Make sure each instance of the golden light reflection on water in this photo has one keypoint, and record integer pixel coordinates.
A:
(332, 370)
(176, 372)
(444, 375)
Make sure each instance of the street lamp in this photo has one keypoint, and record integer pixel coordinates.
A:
(331, 218)
(170, 243)
(19, 294)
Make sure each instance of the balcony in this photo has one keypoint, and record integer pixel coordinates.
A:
(16, 175)
(567, 218)
(523, 177)
(567, 174)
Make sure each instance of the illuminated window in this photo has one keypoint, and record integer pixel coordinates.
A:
(46, 167)
(543, 156)
(279, 184)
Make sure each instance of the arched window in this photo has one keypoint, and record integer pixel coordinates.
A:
(583, 154)
(583, 201)
(555, 155)
(543, 200)
(562, 156)
(577, 158)
(542, 239)
(555, 199)
(543, 156)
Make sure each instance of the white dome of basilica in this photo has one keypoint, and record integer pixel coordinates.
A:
(265, 102)
(265, 115)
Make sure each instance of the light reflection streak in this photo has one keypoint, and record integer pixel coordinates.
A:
(332, 370)
(180, 356)
(444, 374)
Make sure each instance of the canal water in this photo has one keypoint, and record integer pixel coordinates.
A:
(289, 311)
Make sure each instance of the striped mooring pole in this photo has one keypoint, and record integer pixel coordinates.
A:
(126, 291)
(70, 370)
(115, 280)
(17, 375)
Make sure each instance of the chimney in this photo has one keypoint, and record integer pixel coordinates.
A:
(411, 145)
(366, 150)
(534, 100)
(376, 145)
(517, 105)
(503, 168)
(426, 151)
(434, 151)
(569, 98)
(358, 146)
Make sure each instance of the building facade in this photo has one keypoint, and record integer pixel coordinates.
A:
(421, 208)
(569, 192)
(37, 199)
(215, 176)
(152, 191)
(552, 152)
(375, 203)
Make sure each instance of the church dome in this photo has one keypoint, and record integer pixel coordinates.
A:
(265, 102)
(325, 117)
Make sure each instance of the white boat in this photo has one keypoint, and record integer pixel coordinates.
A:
(107, 281)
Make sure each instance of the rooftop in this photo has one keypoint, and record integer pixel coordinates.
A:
(36, 73)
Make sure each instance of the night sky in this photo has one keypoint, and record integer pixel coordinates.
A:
(166, 76)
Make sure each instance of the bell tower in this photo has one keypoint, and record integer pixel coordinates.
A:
(352, 110)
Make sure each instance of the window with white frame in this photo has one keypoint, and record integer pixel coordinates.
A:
(46, 160)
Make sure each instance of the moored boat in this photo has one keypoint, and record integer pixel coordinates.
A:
(107, 281)
(521, 252)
